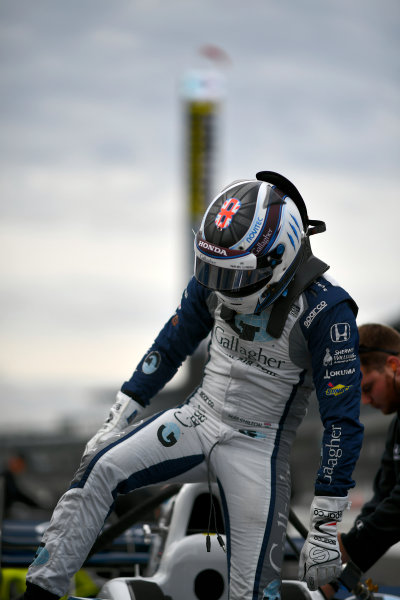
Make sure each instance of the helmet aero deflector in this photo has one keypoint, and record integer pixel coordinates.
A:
(289, 189)
(251, 241)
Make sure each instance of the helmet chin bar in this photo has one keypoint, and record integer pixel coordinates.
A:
(247, 291)
(244, 305)
(266, 294)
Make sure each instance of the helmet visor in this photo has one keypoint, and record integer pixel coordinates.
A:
(226, 269)
(222, 279)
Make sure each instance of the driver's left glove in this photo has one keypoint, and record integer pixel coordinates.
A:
(320, 559)
(122, 414)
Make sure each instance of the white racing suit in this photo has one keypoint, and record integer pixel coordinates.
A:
(252, 398)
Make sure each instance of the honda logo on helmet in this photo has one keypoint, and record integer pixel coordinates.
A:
(212, 248)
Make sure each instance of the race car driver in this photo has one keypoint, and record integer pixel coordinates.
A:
(278, 328)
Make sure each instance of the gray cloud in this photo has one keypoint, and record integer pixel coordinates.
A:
(92, 154)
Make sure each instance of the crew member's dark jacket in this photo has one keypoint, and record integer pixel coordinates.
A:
(377, 528)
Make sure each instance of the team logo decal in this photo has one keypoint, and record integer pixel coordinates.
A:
(228, 210)
(336, 390)
(340, 332)
(345, 355)
(151, 363)
(168, 434)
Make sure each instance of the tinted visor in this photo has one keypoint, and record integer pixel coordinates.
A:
(223, 279)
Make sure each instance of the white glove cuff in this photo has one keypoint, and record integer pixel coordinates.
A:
(328, 507)
(125, 410)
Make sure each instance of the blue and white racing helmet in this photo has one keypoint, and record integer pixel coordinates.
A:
(251, 242)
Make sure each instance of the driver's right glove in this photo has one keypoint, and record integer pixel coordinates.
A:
(320, 559)
(122, 414)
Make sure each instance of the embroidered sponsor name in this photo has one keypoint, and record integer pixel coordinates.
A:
(206, 399)
(339, 356)
(249, 422)
(334, 453)
(334, 515)
(197, 418)
(311, 316)
(232, 343)
(339, 373)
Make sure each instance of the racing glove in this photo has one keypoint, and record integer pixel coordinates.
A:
(320, 558)
(122, 414)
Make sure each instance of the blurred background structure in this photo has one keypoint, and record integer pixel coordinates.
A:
(118, 120)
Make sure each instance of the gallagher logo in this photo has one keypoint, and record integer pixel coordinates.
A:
(228, 210)
(151, 363)
(168, 434)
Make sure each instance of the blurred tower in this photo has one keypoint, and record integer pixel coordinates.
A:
(202, 93)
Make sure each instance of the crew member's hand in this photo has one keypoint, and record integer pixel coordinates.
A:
(343, 551)
(320, 559)
(122, 414)
(328, 590)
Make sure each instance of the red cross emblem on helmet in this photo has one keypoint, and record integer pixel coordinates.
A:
(228, 210)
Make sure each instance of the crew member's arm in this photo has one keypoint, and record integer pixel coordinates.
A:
(377, 528)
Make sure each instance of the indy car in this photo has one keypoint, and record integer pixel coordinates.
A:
(178, 556)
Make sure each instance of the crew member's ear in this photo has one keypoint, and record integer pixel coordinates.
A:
(393, 363)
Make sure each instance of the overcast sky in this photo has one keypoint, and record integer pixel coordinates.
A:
(93, 223)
